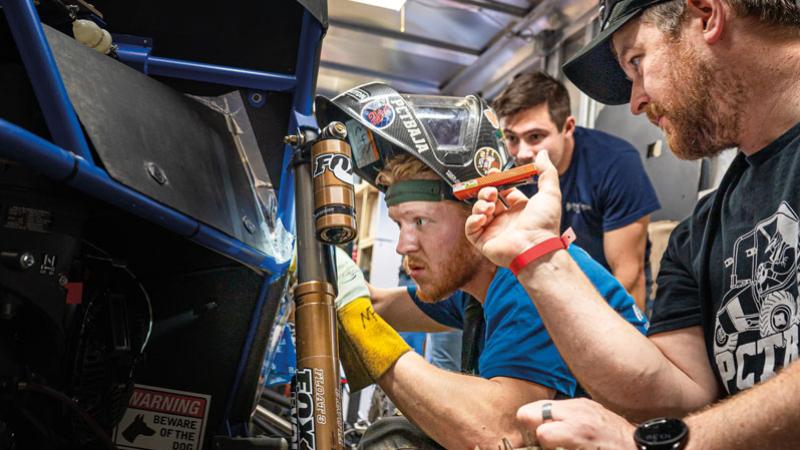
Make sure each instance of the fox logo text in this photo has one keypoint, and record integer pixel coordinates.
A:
(304, 438)
(340, 165)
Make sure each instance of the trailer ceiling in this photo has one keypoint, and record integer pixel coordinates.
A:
(452, 47)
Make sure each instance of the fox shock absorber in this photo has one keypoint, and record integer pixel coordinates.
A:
(334, 197)
(324, 202)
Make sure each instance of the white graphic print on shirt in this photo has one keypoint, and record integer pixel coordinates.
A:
(756, 330)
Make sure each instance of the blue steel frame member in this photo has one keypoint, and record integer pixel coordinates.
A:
(606, 195)
(414, 148)
(68, 159)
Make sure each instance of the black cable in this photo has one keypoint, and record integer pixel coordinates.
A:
(72, 405)
(119, 265)
(47, 435)
(274, 397)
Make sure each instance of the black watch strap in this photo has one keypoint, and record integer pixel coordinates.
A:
(661, 434)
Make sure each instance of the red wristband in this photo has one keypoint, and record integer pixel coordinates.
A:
(543, 248)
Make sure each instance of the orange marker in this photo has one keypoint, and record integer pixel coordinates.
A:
(501, 180)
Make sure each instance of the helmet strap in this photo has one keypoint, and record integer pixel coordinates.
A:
(418, 191)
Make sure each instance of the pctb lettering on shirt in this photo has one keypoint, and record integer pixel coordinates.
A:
(756, 329)
(163, 419)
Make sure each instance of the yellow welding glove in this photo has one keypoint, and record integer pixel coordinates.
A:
(368, 346)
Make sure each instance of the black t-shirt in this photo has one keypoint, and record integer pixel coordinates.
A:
(732, 268)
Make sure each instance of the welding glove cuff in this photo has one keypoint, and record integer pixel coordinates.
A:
(350, 280)
(368, 345)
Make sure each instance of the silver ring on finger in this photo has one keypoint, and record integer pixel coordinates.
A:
(547, 412)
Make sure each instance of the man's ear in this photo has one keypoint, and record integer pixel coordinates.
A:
(712, 13)
(569, 126)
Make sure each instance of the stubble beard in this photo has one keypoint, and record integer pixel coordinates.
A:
(705, 110)
(460, 268)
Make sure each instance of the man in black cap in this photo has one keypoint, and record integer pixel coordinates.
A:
(712, 74)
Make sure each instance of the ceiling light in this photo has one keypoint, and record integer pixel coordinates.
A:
(388, 4)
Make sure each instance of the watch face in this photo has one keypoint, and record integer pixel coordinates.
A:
(660, 434)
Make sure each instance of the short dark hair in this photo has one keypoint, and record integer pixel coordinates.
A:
(532, 89)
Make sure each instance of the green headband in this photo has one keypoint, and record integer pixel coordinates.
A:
(418, 191)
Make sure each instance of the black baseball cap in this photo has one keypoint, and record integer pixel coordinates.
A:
(595, 70)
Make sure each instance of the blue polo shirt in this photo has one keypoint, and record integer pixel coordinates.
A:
(515, 343)
(604, 188)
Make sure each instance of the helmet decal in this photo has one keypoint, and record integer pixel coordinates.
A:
(456, 137)
(378, 113)
(491, 116)
(487, 158)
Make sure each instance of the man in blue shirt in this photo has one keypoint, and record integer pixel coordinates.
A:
(518, 362)
(606, 195)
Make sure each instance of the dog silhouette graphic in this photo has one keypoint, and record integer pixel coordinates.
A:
(136, 429)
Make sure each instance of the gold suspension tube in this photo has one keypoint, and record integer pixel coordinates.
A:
(324, 209)
(317, 389)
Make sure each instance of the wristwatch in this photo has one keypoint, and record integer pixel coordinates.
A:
(661, 434)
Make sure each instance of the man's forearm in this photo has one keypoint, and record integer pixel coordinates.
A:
(624, 249)
(395, 306)
(764, 417)
(631, 277)
(617, 365)
(456, 410)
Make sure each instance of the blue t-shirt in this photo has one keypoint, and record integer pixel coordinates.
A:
(604, 188)
(516, 343)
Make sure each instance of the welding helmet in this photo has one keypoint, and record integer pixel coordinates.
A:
(459, 138)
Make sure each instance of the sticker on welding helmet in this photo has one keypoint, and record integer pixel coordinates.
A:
(491, 116)
(357, 94)
(363, 144)
(379, 113)
(487, 158)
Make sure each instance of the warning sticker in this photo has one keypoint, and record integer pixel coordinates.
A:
(163, 419)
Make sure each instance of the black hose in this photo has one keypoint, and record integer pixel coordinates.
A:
(72, 405)
(47, 435)
(274, 397)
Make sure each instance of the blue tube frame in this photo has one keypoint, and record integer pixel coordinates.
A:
(302, 104)
(303, 101)
(65, 128)
(68, 158)
(62, 121)
(141, 59)
(19, 144)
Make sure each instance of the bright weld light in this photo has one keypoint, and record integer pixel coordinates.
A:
(388, 4)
